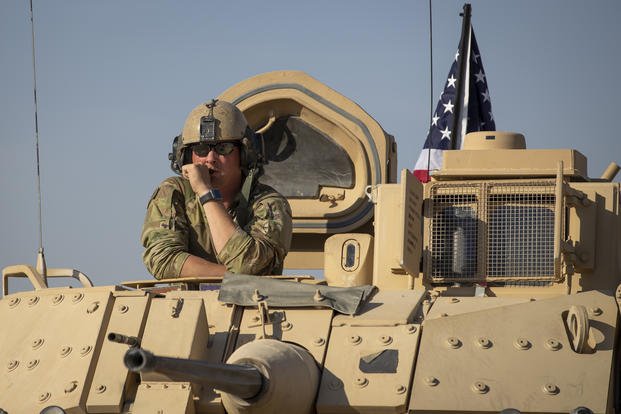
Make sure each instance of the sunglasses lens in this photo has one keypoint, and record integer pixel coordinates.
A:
(201, 150)
(221, 148)
(224, 148)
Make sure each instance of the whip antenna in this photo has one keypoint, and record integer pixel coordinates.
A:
(41, 266)
(430, 79)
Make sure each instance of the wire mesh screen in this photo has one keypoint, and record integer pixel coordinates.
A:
(520, 231)
(491, 231)
(454, 232)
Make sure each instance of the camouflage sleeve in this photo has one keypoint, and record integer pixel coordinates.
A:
(260, 248)
(165, 231)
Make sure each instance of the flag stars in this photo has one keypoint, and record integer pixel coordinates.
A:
(448, 107)
(485, 96)
(491, 116)
(480, 76)
(434, 120)
(456, 55)
(446, 133)
(475, 57)
(451, 81)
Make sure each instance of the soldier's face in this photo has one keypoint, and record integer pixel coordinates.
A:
(224, 170)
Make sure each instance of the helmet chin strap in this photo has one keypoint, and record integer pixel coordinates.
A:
(241, 212)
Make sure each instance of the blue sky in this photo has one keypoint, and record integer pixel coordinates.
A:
(116, 80)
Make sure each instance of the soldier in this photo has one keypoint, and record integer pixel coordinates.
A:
(216, 217)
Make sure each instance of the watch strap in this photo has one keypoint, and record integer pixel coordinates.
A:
(211, 195)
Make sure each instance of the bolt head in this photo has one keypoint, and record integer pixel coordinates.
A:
(431, 381)
(484, 342)
(454, 300)
(553, 344)
(550, 389)
(400, 389)
(354, 339)
(43, 397)
(101, 388)
(480, 387)
(361, 382)
(319, 341)
(12, 364)
(453, 342)
(385, 339)
(595, 311)
(14, 302)
(57, 299)
(522, 344)
(71, 386)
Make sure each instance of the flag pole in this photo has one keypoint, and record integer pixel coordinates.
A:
(462, 81)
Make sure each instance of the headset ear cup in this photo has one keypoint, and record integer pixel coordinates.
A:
(175, 156)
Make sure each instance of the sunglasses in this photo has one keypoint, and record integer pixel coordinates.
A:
(221, 148)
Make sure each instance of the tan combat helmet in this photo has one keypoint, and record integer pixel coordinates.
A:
(215, 121)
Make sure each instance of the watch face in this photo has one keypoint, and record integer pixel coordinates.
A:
(216, 194)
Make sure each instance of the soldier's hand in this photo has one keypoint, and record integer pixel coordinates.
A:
(199, 178)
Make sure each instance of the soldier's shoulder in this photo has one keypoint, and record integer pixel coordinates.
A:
(171, 185)
(264, 192)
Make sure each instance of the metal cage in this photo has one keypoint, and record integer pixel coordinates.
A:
(491, 231)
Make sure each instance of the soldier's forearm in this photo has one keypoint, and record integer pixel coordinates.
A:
(221, 225)
(195, 266)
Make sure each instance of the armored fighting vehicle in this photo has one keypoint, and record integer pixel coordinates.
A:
(495, 286)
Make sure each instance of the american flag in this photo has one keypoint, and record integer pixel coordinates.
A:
(475, 115)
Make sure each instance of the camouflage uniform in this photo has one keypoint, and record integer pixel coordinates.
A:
(175, 227)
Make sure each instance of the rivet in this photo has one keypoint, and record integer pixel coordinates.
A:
(37, 343)
(85, 350)
(410, 329)
(286, 326)
(354, 339)
(553, 345)
(65, 350)
(12, 364)
(32, 364)
(77, 297)
(361, 382)
(385, 339)
(444, 315)
(147, 385)
(431, 381)
(122, 308)
(480, 387)
(57, 299)
(319, 342)
(100, 389)
(71, 387)
(256, 318)
(92, 307)
(484, 342)
(44, 397)
(257, 297)
(33, 300)
(165, 386)
(453, 342)
(596, 311)
(319, 297)
(183, 386)
(454, 300)
(522, 344)
(550, 389)
(335, 384)
(14, 302)
(400, 389)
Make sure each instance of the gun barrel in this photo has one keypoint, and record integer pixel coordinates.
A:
(123, 339)
(243, 381)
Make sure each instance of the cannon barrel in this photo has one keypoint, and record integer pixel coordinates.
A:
(124, 339)
(242, 381)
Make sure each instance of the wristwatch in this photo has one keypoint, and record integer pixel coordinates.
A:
(213, 194)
